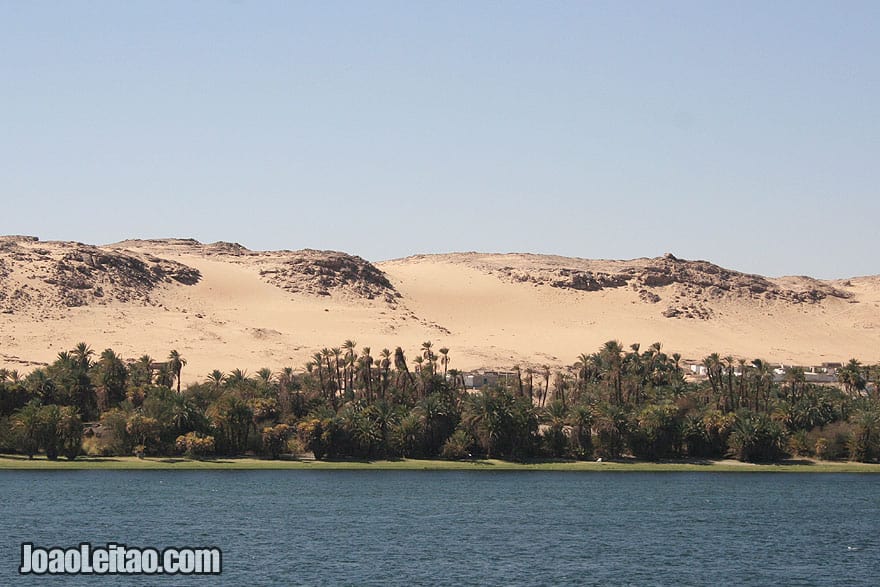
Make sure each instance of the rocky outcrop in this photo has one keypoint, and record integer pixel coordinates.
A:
(302, 272)
(689, 286)
(324, 273)
(39, 276)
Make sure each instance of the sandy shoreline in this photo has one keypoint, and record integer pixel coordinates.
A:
(11, 463)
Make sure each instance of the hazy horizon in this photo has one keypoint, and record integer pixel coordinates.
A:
(745, 134)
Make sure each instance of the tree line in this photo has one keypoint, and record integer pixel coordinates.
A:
(347, 403)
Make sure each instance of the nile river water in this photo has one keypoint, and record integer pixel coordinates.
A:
(460, 528)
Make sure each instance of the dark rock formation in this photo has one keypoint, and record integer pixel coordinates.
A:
(79, 275)
(693, 283)
(327, 272)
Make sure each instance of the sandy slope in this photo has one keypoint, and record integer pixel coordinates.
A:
(522, 322)
(234, 318)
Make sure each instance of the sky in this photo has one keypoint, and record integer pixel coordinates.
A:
(744, 133)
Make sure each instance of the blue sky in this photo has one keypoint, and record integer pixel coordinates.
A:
(745, 133)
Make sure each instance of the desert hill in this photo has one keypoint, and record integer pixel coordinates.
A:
(224, 306)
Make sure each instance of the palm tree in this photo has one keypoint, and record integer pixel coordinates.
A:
(385, 366)
(317, 360)
(215, 379)
(428, 354)
(729, 401)
(519, 383)
(236, 379)
(39, 384)
(743, 375)
(484, 417)
(112, 377)
(408, 434)
(560, 383)
(145, 367)
(332, 387)
(583, 371)
(183, 414)
(164, 375)
(385, 415)
(82, 354)
(864, 444)
(337, 356)
(444, 360)
(530, 373)
(611, 424)
(421, 372)
(285, 384)
(232, 418)
(851, 377)
(285, 378)
(763, 381)
(176, 362)
(580, 418)
(402, 369)
(366, 368)
(612, 361)
(714, 370)
(796, 379)
(555, 416)
(28, 426)
(265, 377)
(350, 363)
(546, 384)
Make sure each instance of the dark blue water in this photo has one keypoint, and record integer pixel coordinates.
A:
(461, 528)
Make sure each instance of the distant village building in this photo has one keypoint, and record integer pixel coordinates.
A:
(821, 377)
(480, 379)
(825, 373)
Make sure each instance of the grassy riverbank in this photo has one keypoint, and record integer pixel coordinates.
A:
(8, 462)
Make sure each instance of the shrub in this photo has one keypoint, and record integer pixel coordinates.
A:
(275, 439)
(311, 434)
(115, 439)
(799, 444)
(458, 446)
(554, 440)
(70, 433)
(408, 435)
(581, 418)
(612, 426)
(707, 435)
(831, 441)
(7, 438)
(295, 446)
(757, 438)
(864, 442)
(144, 430)
(654, 432)
(195, 445)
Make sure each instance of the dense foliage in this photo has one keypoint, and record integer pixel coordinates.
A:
(346, 403)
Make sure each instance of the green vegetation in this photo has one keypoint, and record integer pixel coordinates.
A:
(351, 410)
(250, 463)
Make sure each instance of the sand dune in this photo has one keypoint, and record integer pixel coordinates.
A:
(225, 307)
